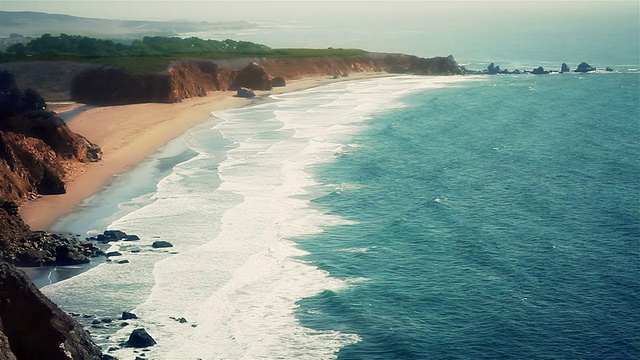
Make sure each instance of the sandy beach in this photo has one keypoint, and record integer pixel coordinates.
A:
(128, 134)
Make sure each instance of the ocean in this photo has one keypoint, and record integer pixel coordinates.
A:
(401, 217)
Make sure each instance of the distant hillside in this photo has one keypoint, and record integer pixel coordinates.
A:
(35, 24)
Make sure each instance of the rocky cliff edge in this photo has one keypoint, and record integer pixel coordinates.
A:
(191, 78)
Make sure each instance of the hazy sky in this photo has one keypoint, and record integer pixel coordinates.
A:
(304, 10)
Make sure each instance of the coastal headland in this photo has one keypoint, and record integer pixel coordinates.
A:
(50, 166)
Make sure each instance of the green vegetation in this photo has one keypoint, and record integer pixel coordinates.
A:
(152, 54)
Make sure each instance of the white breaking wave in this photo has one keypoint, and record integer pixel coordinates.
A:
(233, 213)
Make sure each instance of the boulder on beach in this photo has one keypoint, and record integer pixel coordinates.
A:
(278, 81)
(584, 67)
(140, 338)
(161, 244)
(245, 93)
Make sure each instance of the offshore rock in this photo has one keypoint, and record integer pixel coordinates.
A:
(492, 69)
(539, 71)
(161, 244)
(139, 338)
(584, 67)
(128, 316)
(33, 327)
(565, 68)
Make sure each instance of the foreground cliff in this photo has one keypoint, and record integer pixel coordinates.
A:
(191, 78)
(33, 327)
(38, 153)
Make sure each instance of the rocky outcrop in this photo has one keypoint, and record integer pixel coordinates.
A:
(161, 244)
(253, 77)
(245, 93)
(140, 338)
(33, 327)
(278, 81)
(565, 68)
(584, 67)
(37, 151)
(21, 246)
(539, 71)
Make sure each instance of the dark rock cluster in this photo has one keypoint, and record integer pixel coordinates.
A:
(492, 69)
(21, 246)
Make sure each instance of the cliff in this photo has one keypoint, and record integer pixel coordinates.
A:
(190, 78)
(33, 327)
(37, 152)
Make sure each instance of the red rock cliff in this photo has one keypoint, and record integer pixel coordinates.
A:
(186, 79)
(37, 152)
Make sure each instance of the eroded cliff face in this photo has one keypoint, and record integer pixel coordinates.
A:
(37, 152)
(33, 327)
(186, 79)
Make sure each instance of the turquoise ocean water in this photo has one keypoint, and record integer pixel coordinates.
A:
(405, 217)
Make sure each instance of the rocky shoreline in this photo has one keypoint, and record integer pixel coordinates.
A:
(492, 69)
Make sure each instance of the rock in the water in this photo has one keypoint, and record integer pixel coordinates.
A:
(127, 316)
(492, 69)
(245, 93)
(584, 67)
(139, 338)
(107, 320)
(539, 71)
(125, 261)
(278, 81)
(113, 253)
(131, 238)
(608, 69)
(34, 326)
(565, 68)
(115, 235)
(181, 320)
(161, 244)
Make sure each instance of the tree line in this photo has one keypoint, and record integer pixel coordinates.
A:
(148, 46)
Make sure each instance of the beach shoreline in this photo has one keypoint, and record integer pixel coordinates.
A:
(129, 134)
